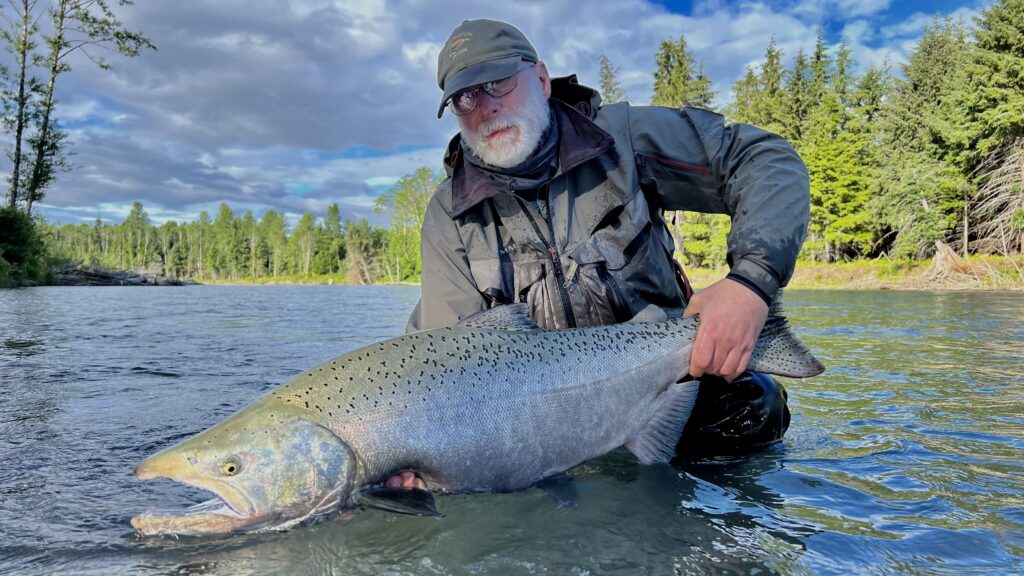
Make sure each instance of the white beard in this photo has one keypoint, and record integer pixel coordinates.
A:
(516, 145)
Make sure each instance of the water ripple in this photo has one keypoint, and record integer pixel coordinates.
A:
(904, 458)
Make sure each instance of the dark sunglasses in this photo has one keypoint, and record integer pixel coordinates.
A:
(464, 101)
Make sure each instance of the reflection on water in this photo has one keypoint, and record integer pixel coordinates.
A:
(905, 457)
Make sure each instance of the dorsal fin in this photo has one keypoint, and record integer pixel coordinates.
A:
(514, 317)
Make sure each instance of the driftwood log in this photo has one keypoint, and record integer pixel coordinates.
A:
(77, 273)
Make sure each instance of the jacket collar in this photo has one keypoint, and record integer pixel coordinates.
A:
(580, 139)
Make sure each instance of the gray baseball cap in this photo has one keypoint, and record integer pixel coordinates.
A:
(480, 51)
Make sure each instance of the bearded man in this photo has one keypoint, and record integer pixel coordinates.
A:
(557, 201)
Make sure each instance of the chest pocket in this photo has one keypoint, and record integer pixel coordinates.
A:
(615, 235)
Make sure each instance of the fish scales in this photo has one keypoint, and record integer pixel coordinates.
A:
(493, 404)
(511, 398)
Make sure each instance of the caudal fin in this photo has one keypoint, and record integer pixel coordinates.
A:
(778, 351)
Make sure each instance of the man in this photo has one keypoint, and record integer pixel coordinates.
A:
(556, 201)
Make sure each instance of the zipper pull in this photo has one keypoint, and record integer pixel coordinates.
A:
(571, 275)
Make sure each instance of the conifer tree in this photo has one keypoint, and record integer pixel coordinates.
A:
(995, 80)
(923, 187)
(798, 97)
(678, 82)
(611, 90)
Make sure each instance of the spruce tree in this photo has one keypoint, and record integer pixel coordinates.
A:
(611, 90)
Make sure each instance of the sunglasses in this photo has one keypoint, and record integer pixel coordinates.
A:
(464, 101)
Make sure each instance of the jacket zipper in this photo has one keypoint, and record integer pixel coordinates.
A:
(563, 292)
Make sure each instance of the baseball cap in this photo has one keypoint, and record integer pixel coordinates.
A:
(480, 51)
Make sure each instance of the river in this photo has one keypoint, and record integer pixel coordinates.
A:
(905, 457)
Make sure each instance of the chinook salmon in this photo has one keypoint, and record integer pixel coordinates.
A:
(493, 403)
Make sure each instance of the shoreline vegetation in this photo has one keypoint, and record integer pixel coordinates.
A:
(972, 273)
(915, 179)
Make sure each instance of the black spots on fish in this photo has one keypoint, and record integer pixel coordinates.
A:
(306, 403)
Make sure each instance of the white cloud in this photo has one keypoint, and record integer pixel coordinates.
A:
(257, 104)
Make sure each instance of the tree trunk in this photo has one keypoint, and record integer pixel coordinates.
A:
(39, 164)
(19, 128)
(966, 223)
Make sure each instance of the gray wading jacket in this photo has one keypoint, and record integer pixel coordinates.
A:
(604, 252)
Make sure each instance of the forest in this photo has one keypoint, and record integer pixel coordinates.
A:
(903, 161)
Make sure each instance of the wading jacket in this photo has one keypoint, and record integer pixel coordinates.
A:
(603, 252)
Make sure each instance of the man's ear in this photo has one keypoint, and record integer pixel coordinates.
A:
(545, 80)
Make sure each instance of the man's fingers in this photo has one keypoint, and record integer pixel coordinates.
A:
(701, 354)
(734, 364)
(405, 480)
(717, 365)
(694, 306)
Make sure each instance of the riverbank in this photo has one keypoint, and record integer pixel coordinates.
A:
(947, 273)
(973, 273)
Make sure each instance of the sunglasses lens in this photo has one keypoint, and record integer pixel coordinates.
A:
(463, 102)
(502, 87)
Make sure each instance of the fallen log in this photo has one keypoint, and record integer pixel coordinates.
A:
(77, 273)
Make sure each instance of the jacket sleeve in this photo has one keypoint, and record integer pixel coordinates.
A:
(448, 291)
(689, 159)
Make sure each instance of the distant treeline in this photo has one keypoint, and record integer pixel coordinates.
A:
(897, 162)
(241, 247)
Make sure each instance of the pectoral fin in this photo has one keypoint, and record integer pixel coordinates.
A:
(414, 501)
(656, 441)
(561, 489)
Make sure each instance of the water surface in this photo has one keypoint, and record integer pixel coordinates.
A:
(904, 458)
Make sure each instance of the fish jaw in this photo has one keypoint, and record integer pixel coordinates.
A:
(266, 474)
(210, 517)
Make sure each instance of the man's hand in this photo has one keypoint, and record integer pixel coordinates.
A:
(405, 480)
(731, 318)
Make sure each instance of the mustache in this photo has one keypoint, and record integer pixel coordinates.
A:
(491, 126)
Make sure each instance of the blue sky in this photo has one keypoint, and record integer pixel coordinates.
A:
(293, 105)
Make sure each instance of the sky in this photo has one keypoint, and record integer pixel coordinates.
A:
(292, 105)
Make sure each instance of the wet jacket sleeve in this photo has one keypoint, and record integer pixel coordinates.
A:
(690, 160)
(448, 291)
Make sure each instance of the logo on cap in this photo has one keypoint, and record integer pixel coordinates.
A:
(455, 44)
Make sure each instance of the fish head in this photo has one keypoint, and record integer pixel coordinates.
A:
(267, 471)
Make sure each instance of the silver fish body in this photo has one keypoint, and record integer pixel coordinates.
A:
(492, 404)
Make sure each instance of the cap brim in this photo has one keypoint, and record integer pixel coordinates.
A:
(478, 74)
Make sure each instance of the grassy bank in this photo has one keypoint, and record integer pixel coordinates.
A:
(973, 273)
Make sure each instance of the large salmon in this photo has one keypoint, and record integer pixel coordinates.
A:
(491, 404)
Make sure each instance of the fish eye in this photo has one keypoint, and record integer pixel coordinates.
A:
(230, 467)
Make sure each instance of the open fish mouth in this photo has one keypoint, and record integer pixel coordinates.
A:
(229, 511)
(211, 517)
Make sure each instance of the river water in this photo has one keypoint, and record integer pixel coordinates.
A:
(905, 457)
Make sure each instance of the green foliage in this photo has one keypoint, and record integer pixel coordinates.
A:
(228, 248)
(759, 97)
(703, 239)
(21, 249)
(995, 79)
(405, 204)
(611, 90)
(923, 185)
(677, 81)
(364, 246)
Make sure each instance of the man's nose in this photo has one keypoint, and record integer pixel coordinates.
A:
(488, 105)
